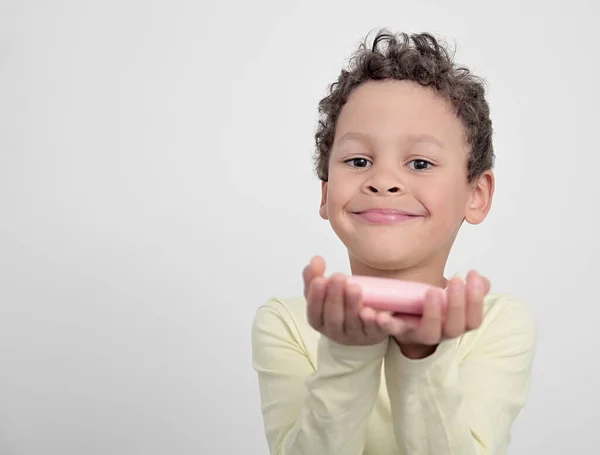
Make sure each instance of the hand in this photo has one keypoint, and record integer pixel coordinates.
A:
(334, 307)
(442, 318)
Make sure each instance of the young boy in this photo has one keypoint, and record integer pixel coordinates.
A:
(404, 153)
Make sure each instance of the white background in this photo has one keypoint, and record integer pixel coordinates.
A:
(156, 186)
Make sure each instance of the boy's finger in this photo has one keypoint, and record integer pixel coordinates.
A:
(455, 319)
(333, 311)
(476, 287)
(412, 320)
(353, 327)
(430, 329)
(393, 326)
(486, 284)
(306, 278)
(314, 303)
(315, 268)
(368, 317)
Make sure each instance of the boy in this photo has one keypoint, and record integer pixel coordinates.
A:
(404, 153)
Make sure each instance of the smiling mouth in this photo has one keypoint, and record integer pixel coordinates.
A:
(386, 216)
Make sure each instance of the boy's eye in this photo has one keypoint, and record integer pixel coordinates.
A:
(358, 162)
(420, 165)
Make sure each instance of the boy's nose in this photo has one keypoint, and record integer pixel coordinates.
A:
(384, 182)
(393, 189)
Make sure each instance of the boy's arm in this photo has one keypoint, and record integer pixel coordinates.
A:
(444, 404)
(309, 410)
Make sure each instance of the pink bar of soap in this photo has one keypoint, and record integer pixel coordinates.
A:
(386, 294)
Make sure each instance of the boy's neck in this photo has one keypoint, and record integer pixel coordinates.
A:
(432, 274)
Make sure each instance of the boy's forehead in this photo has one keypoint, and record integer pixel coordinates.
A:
(415, 138)
(399, 110)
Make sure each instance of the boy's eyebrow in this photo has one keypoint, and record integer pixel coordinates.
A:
(413, 138)
(425, 137)
(358, 136)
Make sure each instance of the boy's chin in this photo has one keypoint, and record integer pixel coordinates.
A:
(384, 261)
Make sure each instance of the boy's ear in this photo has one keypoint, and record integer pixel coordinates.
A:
(323, 207)
(480, 200)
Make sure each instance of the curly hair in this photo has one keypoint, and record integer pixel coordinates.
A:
(419, 58)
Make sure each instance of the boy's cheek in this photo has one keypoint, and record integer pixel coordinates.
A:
(444, 198)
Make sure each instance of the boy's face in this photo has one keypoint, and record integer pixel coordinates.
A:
(397, 191)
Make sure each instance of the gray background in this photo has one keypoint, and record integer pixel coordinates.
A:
(156, 187)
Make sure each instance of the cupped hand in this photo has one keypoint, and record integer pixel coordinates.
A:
(334, 308)
(444, 316)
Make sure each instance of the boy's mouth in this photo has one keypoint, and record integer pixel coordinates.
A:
(386, 216)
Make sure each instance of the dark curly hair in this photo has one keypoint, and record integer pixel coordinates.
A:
(422, 59)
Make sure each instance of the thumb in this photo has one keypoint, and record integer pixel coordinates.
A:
(317, 265)
(314, 269)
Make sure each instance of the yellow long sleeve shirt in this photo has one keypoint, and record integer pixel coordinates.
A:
(322, 398)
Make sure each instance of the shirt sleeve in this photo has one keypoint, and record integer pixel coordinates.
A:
(307, 409)
(464, 403)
